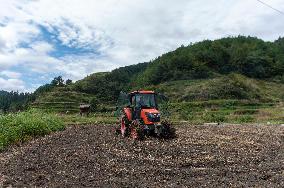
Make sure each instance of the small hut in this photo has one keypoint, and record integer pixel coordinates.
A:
(85, 109)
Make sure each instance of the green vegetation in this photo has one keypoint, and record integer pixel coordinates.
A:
(61, 101)
(14, 101)
(18, 127)
(236, 79)
(232, 86)
(233, 111)
(247, 56)
(107, 86)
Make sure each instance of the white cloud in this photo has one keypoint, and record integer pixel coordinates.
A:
(35, 58)
(2, 44)
(15, 33)
(12, 84)
(87, 65)
(122, 32)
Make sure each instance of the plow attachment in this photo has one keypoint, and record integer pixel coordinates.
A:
(165, 130)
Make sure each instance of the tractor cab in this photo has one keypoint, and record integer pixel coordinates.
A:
(144, 107)
(139, 105)
(144, 99)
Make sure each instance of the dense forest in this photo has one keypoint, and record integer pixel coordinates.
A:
(248, 56)
(14, 101)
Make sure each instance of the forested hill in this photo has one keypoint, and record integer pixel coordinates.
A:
(248, 56)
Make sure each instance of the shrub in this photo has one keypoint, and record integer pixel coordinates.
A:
(211, 117)
(19, 127)
(245, 119)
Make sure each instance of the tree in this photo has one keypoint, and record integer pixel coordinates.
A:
(68, 82)
(94, 104)
(57, 81)
(14, 101)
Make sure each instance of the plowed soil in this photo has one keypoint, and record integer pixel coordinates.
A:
(204, 156)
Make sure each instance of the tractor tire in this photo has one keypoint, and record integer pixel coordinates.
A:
(137, 130)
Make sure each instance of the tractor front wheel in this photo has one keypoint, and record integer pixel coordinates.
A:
(123, 127)
(134, 133)
(137, 130)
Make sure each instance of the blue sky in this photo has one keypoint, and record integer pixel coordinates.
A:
(41, 39)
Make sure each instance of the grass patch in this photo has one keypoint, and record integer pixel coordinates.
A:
(229, 111)
(16, 128)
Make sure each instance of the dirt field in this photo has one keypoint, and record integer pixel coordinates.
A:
(91, 156)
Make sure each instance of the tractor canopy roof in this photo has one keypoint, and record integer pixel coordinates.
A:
(142, 92)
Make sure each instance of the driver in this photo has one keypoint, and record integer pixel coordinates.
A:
(139, 105)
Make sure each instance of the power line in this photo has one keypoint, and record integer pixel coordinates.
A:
(271, 7)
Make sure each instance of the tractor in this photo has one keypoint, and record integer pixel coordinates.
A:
(139, 116)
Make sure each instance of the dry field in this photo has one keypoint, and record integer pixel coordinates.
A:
(202, 155)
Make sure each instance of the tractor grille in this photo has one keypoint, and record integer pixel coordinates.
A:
(154, 117)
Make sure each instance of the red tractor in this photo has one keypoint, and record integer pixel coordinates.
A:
(139, 116)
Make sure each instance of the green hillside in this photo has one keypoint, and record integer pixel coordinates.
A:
(232, 86)
(247, 56)
(236, 79)
(230, 98)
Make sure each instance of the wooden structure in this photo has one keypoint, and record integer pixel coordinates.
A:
(85, 109)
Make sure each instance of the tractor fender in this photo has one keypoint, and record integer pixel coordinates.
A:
(128, 113)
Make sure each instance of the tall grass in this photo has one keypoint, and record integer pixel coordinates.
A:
(15, 128)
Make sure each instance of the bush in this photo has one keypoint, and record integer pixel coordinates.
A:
(245, 119)
(216, 118)
(19, 127)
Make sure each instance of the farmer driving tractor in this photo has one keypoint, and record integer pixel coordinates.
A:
(140, 103)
